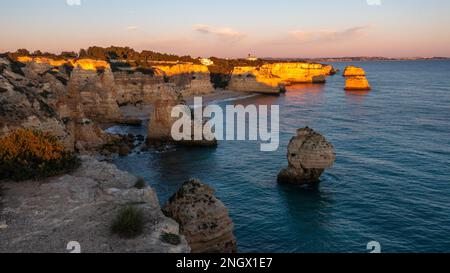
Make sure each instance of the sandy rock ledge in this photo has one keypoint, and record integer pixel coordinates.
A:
(45, 216)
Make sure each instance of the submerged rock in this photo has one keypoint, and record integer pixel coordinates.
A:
(203, 219)
(309, 154)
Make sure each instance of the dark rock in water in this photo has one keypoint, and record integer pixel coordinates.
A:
(309, 154)
(203, 219)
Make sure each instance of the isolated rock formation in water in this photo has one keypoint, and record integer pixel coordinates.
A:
(272, 78)
(148, 86)
(45, 217)
(357, 83)
(356, 79)
(353, 71)
(309, 154)
(203, 219)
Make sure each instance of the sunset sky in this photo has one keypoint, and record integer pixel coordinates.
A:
(232, 28)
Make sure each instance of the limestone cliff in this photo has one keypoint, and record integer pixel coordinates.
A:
(357, 83)
(97, 90)
(353, 71)
(203, 219)
(45, 217)
(35, 95)
(92, 79)
(161, 122)
(271, 78)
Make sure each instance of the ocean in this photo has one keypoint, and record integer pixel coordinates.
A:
(389, 184)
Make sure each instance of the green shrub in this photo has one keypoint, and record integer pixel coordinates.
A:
(129, 222)
(26, 154)
(171, 238)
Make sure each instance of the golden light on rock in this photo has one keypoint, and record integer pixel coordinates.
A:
(353, 71)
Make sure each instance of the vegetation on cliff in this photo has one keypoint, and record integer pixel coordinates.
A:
(27, 154)
(129, 222)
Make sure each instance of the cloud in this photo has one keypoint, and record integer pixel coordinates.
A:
(374, 2)
(328, 35)
(132, 28)
(221, 33)
(73, 2)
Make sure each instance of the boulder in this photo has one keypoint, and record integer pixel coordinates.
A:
(203, 219)
(309, 154)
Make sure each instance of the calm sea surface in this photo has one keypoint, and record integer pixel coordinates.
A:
(390, 183)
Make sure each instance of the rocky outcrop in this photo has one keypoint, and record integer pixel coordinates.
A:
(272, 78)
(135, 87)
(252, 79)
(44, 217)
(357, 83)
(35, 96)
(191, 79)
(94, 81)
(353, 71)
(203, 219)
(161, 123)
(356, 79)
(309, 154)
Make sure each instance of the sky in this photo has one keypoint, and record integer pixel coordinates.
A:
(232, 28)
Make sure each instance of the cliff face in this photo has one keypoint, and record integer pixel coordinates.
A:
(353, 71)
(92, 79)
(271, 78)
(190, 79)
(137, 87)
(97, 90)
(35, 95)
(187, 79)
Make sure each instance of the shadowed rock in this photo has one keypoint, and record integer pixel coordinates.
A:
(309, 154)
(203, 219)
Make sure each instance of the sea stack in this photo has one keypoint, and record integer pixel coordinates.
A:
(161, 122)
(309, 154)
(203, 219)
(356, 79)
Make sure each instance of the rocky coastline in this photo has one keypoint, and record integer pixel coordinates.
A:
(74, 99)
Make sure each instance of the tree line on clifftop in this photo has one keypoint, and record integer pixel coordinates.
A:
(126, 57)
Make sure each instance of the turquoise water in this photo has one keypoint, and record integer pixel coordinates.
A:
(390, 183)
